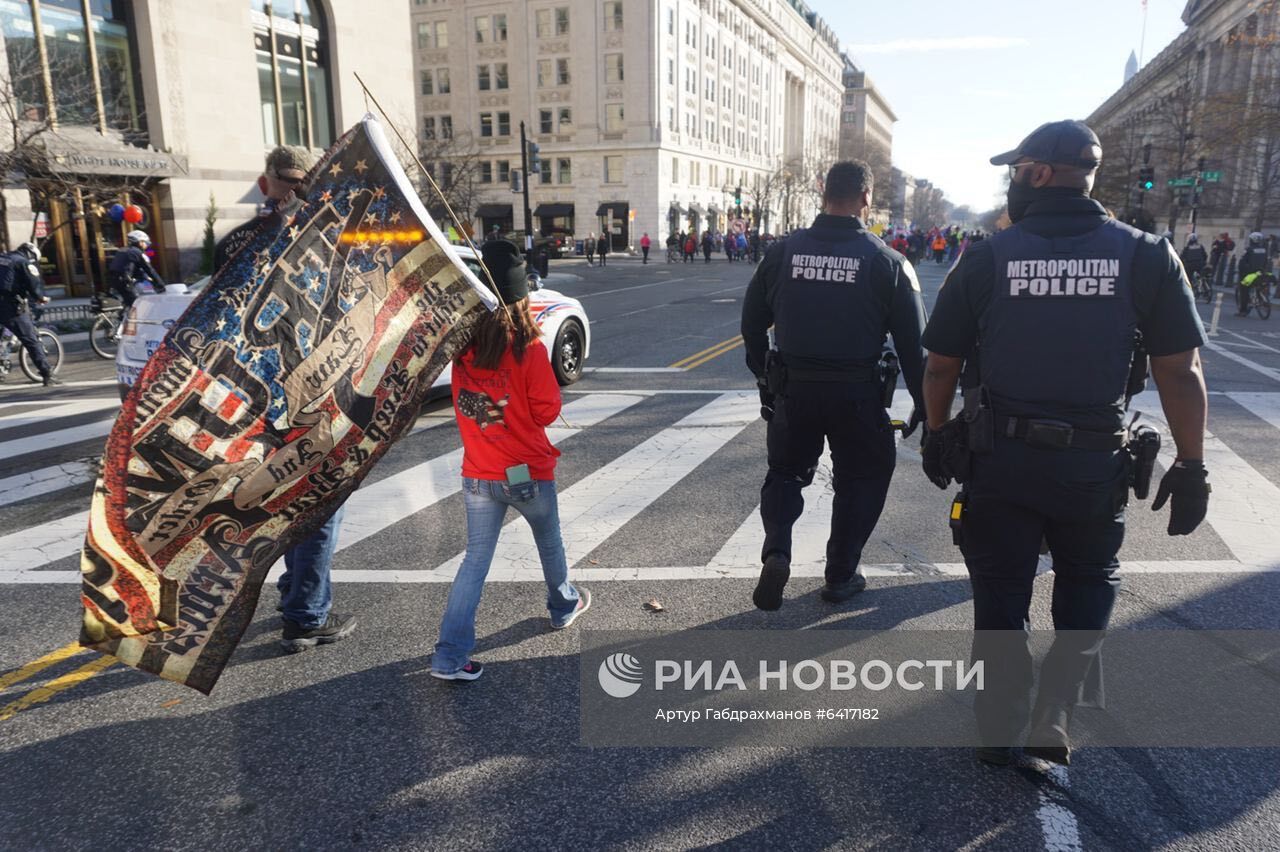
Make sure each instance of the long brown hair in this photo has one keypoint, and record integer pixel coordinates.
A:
(512, 326)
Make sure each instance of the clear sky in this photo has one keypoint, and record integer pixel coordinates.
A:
(968, 80)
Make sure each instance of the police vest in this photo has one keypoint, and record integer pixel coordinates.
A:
(8, 280)
(1058, 337)
(827, 306)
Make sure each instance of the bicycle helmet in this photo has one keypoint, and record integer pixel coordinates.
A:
(30, 249)
(137, 238)
(1255, 238)
(1193, 240)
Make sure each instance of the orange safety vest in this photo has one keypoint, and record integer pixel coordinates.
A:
(939, 243)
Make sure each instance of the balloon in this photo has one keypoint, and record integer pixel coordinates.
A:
(116, 212)
(133, 214)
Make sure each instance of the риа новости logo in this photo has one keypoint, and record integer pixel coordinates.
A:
(619, 675)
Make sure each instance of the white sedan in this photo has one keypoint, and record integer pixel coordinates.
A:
(563, 322)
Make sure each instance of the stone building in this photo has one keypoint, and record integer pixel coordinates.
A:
(649, 114)
(165, 103)
(1209, 106)
(866, 122)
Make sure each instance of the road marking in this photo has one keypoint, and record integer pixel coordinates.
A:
(1058, 824)
(684, 362)
(53, 687)
(1274, 375)
(634, 370)
(629, 289)
(44, 543)
(56, 410)
(36, 666)
(47, 480)
(599, 505)
(95, 383)
(58, 438)
(1265, 406)
(1242, 506)
(715, 355)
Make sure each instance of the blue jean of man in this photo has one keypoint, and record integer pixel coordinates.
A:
(487, 501)
(305, 589)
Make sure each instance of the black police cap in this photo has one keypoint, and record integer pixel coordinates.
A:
(1063, 143)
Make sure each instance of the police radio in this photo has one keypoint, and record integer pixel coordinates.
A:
(888, 369)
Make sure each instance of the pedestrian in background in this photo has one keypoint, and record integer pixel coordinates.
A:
(690, 247)
(644, 247)
(602, 246)
(505, 395)
(589, 249)
(708, 246)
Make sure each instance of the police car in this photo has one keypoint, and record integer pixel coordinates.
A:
(565, 329)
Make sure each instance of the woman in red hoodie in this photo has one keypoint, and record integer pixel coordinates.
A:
(504, 396)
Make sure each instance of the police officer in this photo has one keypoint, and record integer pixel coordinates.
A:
(131, 265)
(832, 293)
(20, 286)
(1253, 259)
(1045, 314)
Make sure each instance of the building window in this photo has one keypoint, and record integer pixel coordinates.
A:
(482, 29)
(612, 16)
(500, 79)
(671, 22)
(431, 34)
(552, 21)
(504, 124)
(565, 169)
(499, 27)
(427, 83)
(613, 118)
(504, 171)
(424, 35)
(482, 78)
(544, 121)
(446, 127)
(486, 125)
(486, 172)
(544, 73)
(562, 72)
(442, 81)
(566, 119)
(544, 171)
(429, 127)
(613, 169)
(671, 72)
(613, 67)
(562, 20)
(293, 78)
(442, 34)
(675, 169)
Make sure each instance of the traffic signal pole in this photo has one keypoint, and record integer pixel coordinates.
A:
(524, 168)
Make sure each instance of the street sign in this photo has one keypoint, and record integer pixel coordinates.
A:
(1182, 181)
(1211, 177)
(1205, 177)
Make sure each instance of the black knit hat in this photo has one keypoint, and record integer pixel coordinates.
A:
(504, 263)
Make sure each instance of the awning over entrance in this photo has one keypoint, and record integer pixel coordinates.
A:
(697, 209)
(493, 211)
(619, 209)
(676, 209)
(84, 151)
(713, 210)
(554, 210)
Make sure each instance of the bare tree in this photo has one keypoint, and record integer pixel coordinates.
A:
(1250, 118)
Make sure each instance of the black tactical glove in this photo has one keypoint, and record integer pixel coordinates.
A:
(1187, 482)
(931, 458)
(766, 401)
(916, 418)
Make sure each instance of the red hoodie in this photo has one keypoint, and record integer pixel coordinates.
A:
(502, 414)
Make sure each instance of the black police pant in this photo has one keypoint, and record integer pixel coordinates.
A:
(1019, 496)
(25, 330)
(852, 420)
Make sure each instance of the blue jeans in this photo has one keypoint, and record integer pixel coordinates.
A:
(487, 502)
(305, 591)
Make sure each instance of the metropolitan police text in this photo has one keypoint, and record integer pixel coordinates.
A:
(1063, 277)
(821, 267)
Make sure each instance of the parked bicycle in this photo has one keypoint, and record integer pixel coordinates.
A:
(10, 345)
(1257, 294)
(1201, 287)
(104, 337)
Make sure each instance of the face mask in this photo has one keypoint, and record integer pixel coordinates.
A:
(1020, 198)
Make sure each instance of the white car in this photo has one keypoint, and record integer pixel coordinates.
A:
(565, 328)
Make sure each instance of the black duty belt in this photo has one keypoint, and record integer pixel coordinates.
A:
(852, 375)
(1057, 435)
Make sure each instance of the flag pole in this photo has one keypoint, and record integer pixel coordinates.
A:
(1143, 42)
(457, 224)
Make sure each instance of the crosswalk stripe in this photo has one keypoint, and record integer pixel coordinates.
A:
(1274, 375)
(1243, 503)
(47, 480)
(1265, 406)
(44, 543)
(376, 507)
(57, 438)
(585, 574)
(48, 413)
(599, 505)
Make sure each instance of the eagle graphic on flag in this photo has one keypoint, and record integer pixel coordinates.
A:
(269, 401)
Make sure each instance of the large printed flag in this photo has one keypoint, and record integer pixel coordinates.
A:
(307, 356)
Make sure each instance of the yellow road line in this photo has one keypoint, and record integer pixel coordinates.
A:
(36, 666)
(713, 355)
(53, 687)
(723, 344)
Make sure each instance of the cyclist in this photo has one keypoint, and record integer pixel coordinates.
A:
(130, 266)
(1194, 257)
(20, 284)
(1254, 259)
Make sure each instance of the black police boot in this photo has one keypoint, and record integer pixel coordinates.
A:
(50, 380)
(773, 579)
(841, 592)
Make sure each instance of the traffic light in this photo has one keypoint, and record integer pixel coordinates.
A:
(737, 196)
(535, 162)
(1146, 178)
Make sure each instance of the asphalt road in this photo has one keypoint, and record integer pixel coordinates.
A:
(354, 746)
